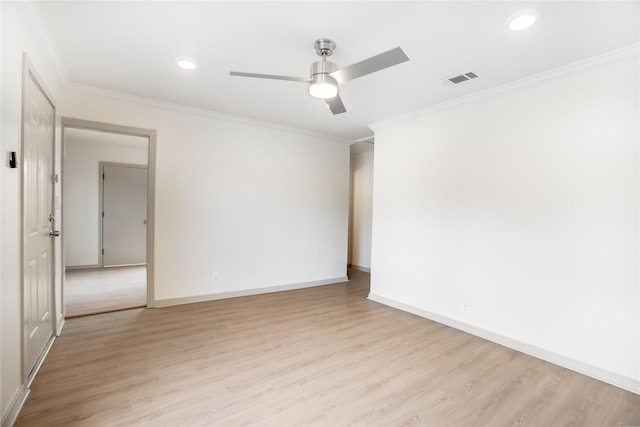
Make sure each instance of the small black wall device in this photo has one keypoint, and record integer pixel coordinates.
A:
(13, 161)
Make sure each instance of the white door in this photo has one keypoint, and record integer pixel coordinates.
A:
(38, 221)
(124, 215)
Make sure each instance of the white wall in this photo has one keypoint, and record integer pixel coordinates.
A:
(522, 204)
(361, 209)
(17, 37)
(261, 206)
(81, 196)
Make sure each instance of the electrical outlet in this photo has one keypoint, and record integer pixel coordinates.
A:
(216, 278)
(464, 307)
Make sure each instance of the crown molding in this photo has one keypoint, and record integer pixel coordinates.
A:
(614, 55)
(202, 112)
(369, 138)
(40, 29)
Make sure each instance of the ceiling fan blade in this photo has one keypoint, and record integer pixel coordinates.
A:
(335, 105)
(271, 76)
(375, 63)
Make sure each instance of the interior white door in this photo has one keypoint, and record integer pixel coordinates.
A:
(38, 221)
(124, 215)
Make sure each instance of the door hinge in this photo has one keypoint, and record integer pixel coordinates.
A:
(102, 177)
(103, 249)
(51, 218)
(54, 177)
(102, 214)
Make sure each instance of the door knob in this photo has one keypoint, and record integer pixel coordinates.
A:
(54, 233)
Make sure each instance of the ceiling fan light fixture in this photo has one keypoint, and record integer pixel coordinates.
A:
(323, 86)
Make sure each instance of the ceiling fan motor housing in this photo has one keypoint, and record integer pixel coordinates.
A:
(323, 67)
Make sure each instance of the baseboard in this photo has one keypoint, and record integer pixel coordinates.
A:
(81, 267)
(125, 265)
(244, 292)
(21, 396)
(360, 268)
(592, 371)
(39, 362)
(15, 407)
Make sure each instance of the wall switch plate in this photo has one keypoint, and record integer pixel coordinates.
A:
(216, 278)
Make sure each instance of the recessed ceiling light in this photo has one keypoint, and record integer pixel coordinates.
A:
(185, 63)
(521, 20)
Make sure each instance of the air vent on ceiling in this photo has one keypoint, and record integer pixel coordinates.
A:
(460, 78)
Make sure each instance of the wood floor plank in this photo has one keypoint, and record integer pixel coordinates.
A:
(100, 290)
(323, 356)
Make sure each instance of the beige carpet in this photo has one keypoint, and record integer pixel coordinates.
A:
(99, 290)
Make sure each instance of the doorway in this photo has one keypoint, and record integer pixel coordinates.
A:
(107, 205)
(361, 205)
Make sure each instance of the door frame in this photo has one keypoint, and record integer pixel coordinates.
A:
(28, 373)
(151, 134)
(101, 166)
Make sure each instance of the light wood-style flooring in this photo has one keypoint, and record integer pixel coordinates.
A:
(323, 356)
(100, 290)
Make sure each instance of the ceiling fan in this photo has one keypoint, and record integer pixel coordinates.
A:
(325, 75)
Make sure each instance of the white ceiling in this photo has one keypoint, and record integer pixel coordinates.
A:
(130, 47)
